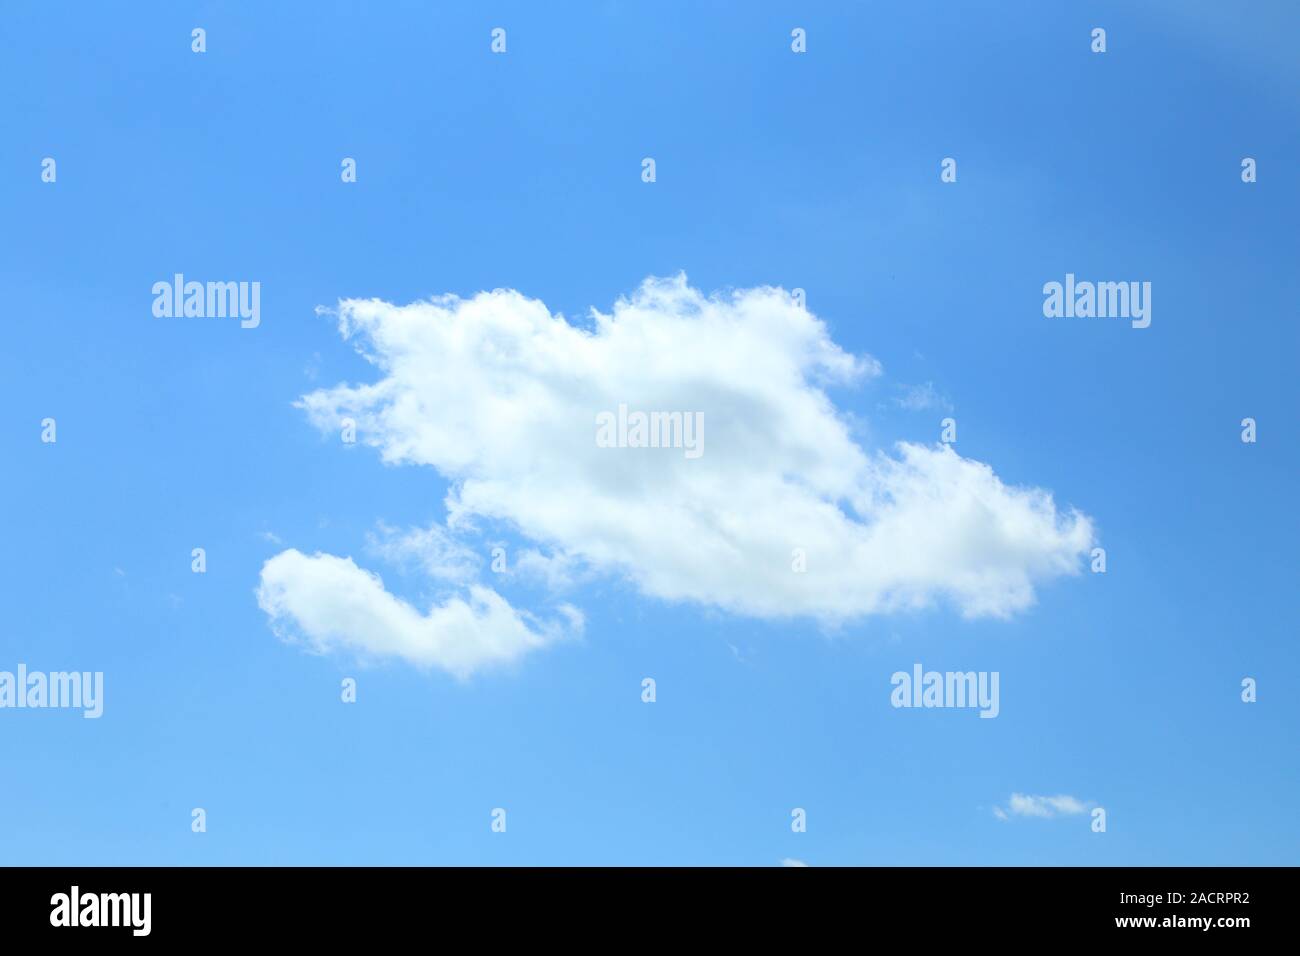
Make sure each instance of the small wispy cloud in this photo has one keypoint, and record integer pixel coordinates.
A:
(433, 548)
(919, 398)
(559, 572)
(736, 653)
(790, 861)
(1032, 805)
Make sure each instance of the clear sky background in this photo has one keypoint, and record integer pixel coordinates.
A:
(818, 171)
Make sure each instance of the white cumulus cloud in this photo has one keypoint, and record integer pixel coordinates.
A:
(330, 604)
(501, 397)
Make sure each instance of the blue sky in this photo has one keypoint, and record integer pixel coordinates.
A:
(523, 171)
